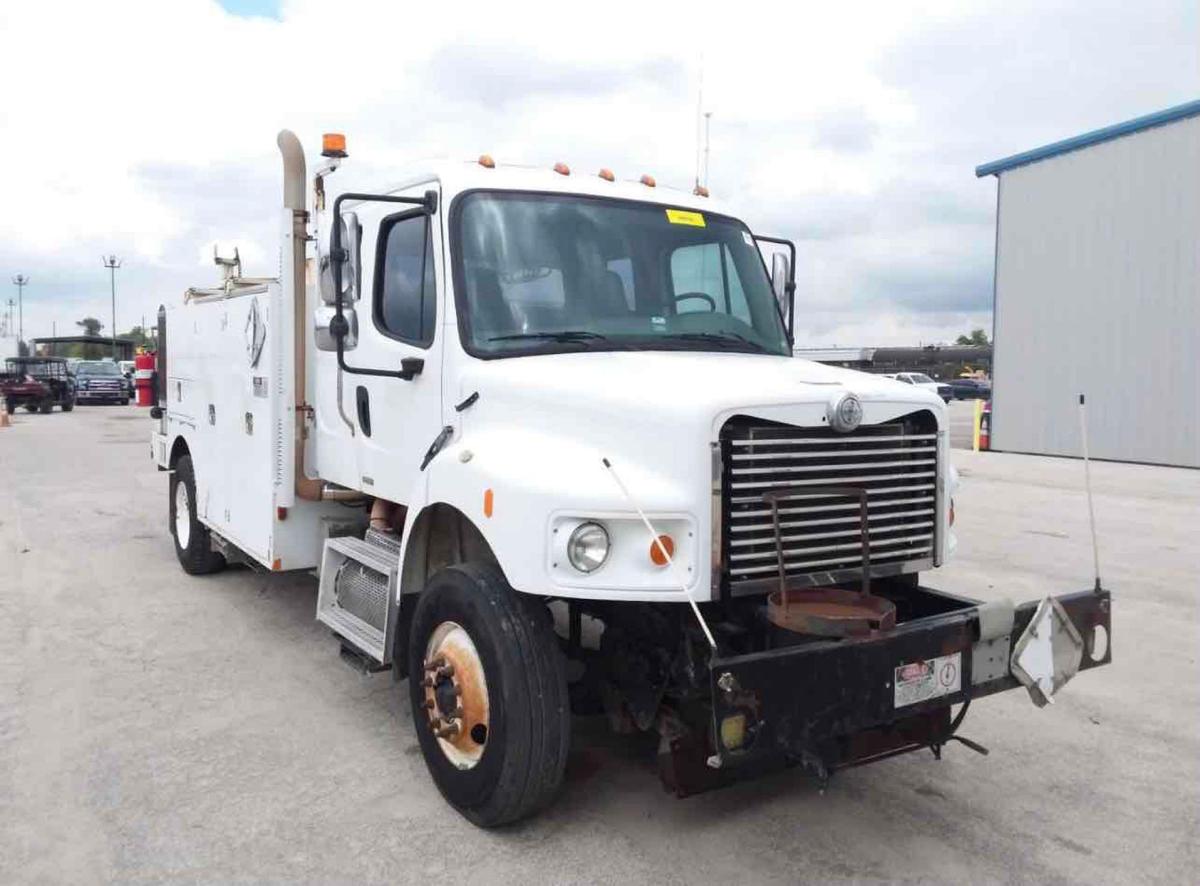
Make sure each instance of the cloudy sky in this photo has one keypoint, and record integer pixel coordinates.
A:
(146, 127)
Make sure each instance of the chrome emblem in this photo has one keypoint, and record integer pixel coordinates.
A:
(845, 412)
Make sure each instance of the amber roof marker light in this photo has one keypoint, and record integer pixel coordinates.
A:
(562, 168)
(333, 144)
(648, 181)
(700, 191)
(607, 174)
(486, 161)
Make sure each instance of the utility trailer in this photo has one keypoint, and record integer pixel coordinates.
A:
(543, 438)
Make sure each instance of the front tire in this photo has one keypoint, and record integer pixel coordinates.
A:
(488, 688)
(193, 542)
(68, 405)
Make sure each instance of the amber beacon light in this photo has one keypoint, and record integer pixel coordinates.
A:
(333, 144)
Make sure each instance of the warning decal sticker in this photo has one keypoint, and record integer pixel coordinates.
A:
(923, 680)
(685, 217)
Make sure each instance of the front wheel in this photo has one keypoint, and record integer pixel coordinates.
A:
(68, 405)
(488, 687)
(193, 542)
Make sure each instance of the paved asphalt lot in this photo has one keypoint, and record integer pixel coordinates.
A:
(157, 727)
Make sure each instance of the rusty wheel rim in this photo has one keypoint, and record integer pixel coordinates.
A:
(456, 696)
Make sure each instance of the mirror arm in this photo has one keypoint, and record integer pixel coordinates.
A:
(339, 326)
(790, 288)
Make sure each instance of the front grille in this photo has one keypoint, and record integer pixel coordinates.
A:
(896, 463)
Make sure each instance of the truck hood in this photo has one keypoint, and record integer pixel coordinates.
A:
(686, 387)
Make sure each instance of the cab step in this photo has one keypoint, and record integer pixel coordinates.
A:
(357, 594)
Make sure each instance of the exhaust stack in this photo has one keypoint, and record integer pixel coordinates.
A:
(308, 488)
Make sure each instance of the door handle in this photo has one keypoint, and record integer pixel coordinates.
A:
(363, 401)
(411, 367)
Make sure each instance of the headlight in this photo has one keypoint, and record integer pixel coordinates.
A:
(587, 548)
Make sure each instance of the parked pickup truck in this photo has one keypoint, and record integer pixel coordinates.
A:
(37, 383)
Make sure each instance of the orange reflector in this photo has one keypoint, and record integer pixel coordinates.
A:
(276, 565)
(700, 191)
(486, 161)
(333, 144)
(562, 168)
(656, 553)
(647, 180)
(607, 175)
(281, 514)
(488, 501)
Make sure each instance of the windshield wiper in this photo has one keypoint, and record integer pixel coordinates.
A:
(729, 338)
(565, 335)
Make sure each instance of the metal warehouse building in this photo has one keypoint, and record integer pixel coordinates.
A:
(1097, 290)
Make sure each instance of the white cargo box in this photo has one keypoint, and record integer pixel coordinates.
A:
(229, 392)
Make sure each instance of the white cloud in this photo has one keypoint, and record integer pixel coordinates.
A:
(147, 128)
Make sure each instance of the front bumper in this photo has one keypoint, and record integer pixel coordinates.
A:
(101, 395)
(831, 704)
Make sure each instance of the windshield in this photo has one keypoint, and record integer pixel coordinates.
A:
(920, 378)
(540, 272)
(98, 369)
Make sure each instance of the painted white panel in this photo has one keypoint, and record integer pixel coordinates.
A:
(1097, 287)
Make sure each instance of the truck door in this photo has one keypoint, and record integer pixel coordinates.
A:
(398, 418)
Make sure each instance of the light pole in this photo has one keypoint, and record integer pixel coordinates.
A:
(112, 263)
(21, 281)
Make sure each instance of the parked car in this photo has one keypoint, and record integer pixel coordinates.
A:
(37, 383)
(971, 389)
(921, 380)
(101, 381)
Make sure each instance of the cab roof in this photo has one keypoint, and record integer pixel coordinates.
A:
(457, 177)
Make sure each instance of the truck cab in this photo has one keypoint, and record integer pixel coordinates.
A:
(543, 436)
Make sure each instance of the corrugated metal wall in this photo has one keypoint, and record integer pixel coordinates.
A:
(1097, 290)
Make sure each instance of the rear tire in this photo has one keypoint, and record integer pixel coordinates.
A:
(514, 766)
(31, 407)
(68, 405)
(193, 542)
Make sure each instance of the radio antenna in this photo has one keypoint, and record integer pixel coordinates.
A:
(1087, 480)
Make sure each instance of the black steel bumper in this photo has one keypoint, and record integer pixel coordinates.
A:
(831, 704)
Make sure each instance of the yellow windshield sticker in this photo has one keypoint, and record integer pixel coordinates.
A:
(685, 217)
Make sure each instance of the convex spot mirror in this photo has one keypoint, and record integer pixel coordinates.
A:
(351, 266)
(324, 339)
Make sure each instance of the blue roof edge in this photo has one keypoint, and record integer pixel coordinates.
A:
(1095, 137)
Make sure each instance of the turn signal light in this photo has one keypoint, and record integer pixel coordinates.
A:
(647, 180)
(607, 175)
(333, 144)
(486, 161)
(562, 168)
(663, 542)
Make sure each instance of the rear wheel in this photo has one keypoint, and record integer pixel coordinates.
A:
(488, 688)
(193, 542)
(31, 407)
(68, 405)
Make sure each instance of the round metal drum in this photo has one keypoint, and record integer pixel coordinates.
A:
(830, 612)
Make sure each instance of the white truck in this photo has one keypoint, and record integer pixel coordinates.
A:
(542, 435)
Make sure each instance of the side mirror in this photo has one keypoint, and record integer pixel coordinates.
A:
(323, 318)
(783, 277)
(781, 274)
(351, 266)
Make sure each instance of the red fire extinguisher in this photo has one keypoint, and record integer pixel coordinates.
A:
(985, 427)
(143, 366)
